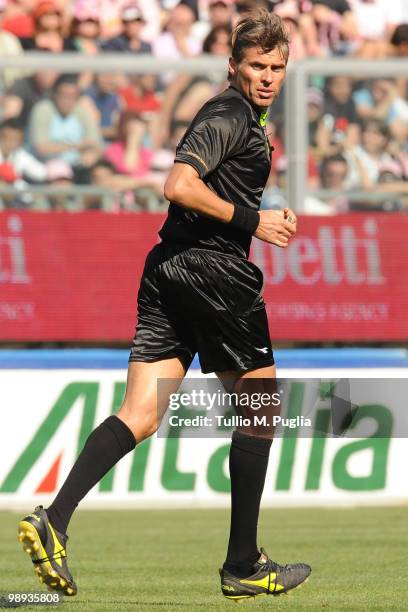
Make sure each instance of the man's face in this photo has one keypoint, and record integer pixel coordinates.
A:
(45, 79)
(220, 14)
(106, 82)
(259, 76)
(10, 140)
(334, 175)
(101, 176)
(66, 97)
(340, 88)
(373, 140)
(133, 29)
(402, 49)
(180, 21)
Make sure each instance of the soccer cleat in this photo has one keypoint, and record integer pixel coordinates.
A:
(268, 578)
(46, 547)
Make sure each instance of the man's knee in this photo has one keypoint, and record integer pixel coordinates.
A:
(143, 422)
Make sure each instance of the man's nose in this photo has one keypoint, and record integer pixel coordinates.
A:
(267, 76)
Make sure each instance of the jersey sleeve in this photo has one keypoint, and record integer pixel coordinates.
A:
(214, 136)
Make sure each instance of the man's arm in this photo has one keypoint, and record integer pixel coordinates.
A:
(185, 188)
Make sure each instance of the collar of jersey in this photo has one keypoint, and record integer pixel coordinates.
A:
(261, 114)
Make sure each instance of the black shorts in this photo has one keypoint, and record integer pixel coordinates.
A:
(200, 301)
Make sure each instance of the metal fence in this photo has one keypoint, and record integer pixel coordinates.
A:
(296, 121)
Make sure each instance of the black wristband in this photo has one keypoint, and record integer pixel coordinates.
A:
(244, 218)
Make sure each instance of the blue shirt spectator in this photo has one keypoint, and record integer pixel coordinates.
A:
(130, 39)
(107, 102)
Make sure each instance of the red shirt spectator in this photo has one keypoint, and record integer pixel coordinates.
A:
(140, 96)
(16, 18)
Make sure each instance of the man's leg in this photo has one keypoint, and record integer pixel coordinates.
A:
(43, 533)
(137, 419)
(247, 572)
(248, 461)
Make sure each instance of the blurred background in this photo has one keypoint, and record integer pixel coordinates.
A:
(94, 97)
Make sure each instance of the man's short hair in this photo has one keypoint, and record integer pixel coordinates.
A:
(103, 163)
(260, 28)
(400, 35)
(331, 159)
(378, 125)
(13, 123)
(66, 79)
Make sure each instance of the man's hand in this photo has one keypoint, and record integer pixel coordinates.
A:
(276, 226)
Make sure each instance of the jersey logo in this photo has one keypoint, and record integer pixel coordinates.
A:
(262, 118)
(264, 349)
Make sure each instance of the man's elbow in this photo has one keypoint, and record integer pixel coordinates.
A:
(175, 189)
(168, 189)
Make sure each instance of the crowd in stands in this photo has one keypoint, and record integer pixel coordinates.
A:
(118, 132)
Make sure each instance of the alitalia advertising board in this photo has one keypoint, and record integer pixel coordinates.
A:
(48, 414)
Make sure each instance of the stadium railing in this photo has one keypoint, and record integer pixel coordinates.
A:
(296, 121)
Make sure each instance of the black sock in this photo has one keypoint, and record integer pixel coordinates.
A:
(108, 443)
(248, 462)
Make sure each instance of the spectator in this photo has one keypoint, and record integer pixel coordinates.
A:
(218, 41)
(130, 39)
(186, 94)
(60, 127)
(177, 40)
(399, 41)
(102, 175)
(183, 98)
(340, 118)
(84, 36)
(8, 178)
(109, 13)
(390, 179)
(17, 166)
(60, 175)
(289, 12)
(25, 92)
(9, 45)
(316, 125)
(129, 154)
(384, 102)
(376, 21)
(399, 48)
(152, 12)
(221, 13)
(364, 160)
(139, 95)
(17, 18)
(104, 96)
(337, 26)
(85, 30)
(23, 165)
(218, 13)
(48, 28)
(333, 175)
(333, 172)
(121, 187)
(274, 195)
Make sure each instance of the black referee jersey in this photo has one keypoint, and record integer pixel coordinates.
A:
(226, 143)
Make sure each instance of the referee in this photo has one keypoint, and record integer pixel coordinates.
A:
(199, 293)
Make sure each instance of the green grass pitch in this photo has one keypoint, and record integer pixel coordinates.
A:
(169, 559)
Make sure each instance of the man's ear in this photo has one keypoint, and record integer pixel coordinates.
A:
(232, 67)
